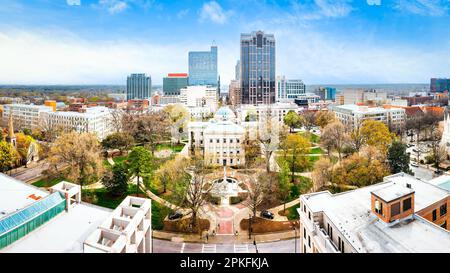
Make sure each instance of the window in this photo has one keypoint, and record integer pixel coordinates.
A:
(379, 210)
(330, 231)
(304, 233)
(309, 215)
(443, 210)
(210, 141)
(231, 140)
(444, 225)
(237, 140)
(224, 140)
(395, 209)
(434, 215)
(217, 141)
(407, 204)
(309, 241)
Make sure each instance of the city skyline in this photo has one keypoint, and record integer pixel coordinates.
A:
(339, 42)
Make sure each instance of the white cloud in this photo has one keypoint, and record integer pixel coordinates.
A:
(423, 7)
(113, 6)
(374, 2)
(74, 2)
(212, 11)
(334, 8)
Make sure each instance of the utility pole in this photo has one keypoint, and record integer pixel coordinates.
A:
(249, 226)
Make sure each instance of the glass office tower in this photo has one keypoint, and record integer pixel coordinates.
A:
(439, 85)
(174, 82)
(139, 87)
(257, 68)
(203, 67)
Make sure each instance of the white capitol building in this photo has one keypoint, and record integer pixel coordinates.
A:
(220, 140)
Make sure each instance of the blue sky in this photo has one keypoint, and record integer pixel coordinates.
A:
(319, 41)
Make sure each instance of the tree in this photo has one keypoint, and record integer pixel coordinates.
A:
(255, 197)
(7, 156)
(397, 158)
(323, 118)
(149, 128)
(172, 171)
(296, 147)
(121, 141)
(292, 119)
(252, 151)
(116, 180)
(140, 164)
(178, 117)
(438, 150)
(356, 140)
(376, 133)
(81, 153)
(116, 120)
(334, 136)
(322, 173)
(196, 194)
(270, 135)
(23, 144)
(284, 186)
(308, 119)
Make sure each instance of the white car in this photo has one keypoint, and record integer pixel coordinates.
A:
(414, 164)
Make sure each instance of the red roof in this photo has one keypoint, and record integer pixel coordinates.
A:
(177, 75)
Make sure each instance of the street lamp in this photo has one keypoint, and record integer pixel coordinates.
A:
(249, 226)
(295, 238)
(254, 243)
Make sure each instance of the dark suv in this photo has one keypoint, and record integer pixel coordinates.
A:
(175, 215)
(267, 214)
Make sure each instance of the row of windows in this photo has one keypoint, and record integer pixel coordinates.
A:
(224, 140)
(442, 212)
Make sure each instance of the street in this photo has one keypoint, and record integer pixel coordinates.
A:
(164, 246)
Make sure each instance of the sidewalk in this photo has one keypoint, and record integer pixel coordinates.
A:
(226, 239)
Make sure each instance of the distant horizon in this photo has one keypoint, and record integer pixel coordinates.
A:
(67, 42)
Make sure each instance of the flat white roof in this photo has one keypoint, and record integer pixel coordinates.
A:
(15, 194)
(65, 233)
(351, 213)
(392, 191)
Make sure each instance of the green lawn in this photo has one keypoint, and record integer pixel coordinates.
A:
(312, 137)
(303, 185)
(316, 150)
(45, 183)
(176, 147)
(102, 198)
(291, 213)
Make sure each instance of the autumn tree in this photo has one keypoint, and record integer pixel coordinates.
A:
(334, 136)
(322, 173)
(323, 118)
(296, 147)
(438, 150)
(178, 117)
(252, 151)
(270, 135)
(23, 142)
(7, 156)
(397, 158)
(81, 153)
(284, 186)
(172, 171)
(376, 133)
(308, 119)
(140, 163)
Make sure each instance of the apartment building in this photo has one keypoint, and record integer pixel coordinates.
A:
(352, 115)
(399, 215)
(199, 96)
(25, 115)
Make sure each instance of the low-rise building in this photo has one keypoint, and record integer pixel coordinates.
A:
(352, 115)
(220, 140)
(26, 115)
(247, 112)
(399, 215)
(199, 96)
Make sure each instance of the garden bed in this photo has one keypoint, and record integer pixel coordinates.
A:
(183, 225)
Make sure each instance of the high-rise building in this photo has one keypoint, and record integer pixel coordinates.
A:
(439, 85)
(174, 82)
(257, 68)
(289, 89)
(326, 93)
(234, 93)
(203, 67)
(139, 86)
(237, 71)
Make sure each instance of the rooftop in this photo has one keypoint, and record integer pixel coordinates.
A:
(392, 192)
(351, 214)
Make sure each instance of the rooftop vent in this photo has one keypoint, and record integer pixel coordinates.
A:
(408, 185)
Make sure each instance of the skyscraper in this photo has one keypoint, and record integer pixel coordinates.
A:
(237, 71)
(257, 68)
(139, 86)
(203, 67)
(439, 85)
(174, 82)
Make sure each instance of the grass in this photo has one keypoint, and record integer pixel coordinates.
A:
(175, 147)
(312, 137)
(291, 213)
(309, 167)
(301, 186)
(44, 183)
(101, 197)
(159, 213)
(316, 150)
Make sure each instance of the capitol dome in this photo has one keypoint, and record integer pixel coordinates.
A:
(224, 113)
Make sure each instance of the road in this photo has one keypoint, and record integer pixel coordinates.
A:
(284, 246)
(30, 173)
(422, 173)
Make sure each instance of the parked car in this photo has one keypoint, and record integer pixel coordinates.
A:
(175, 215)
(414, 164)
(267, 214)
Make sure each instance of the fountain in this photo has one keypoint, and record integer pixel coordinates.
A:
(225, 188)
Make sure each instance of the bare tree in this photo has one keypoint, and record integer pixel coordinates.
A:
(255, 197)
(116, 120)
(333, 135)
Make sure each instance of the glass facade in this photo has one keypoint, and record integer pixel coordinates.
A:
(18, 224)
(203, 67)
(289, 89)
(439, 85)
(258, 68)
(173, 83)
(139, 86)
